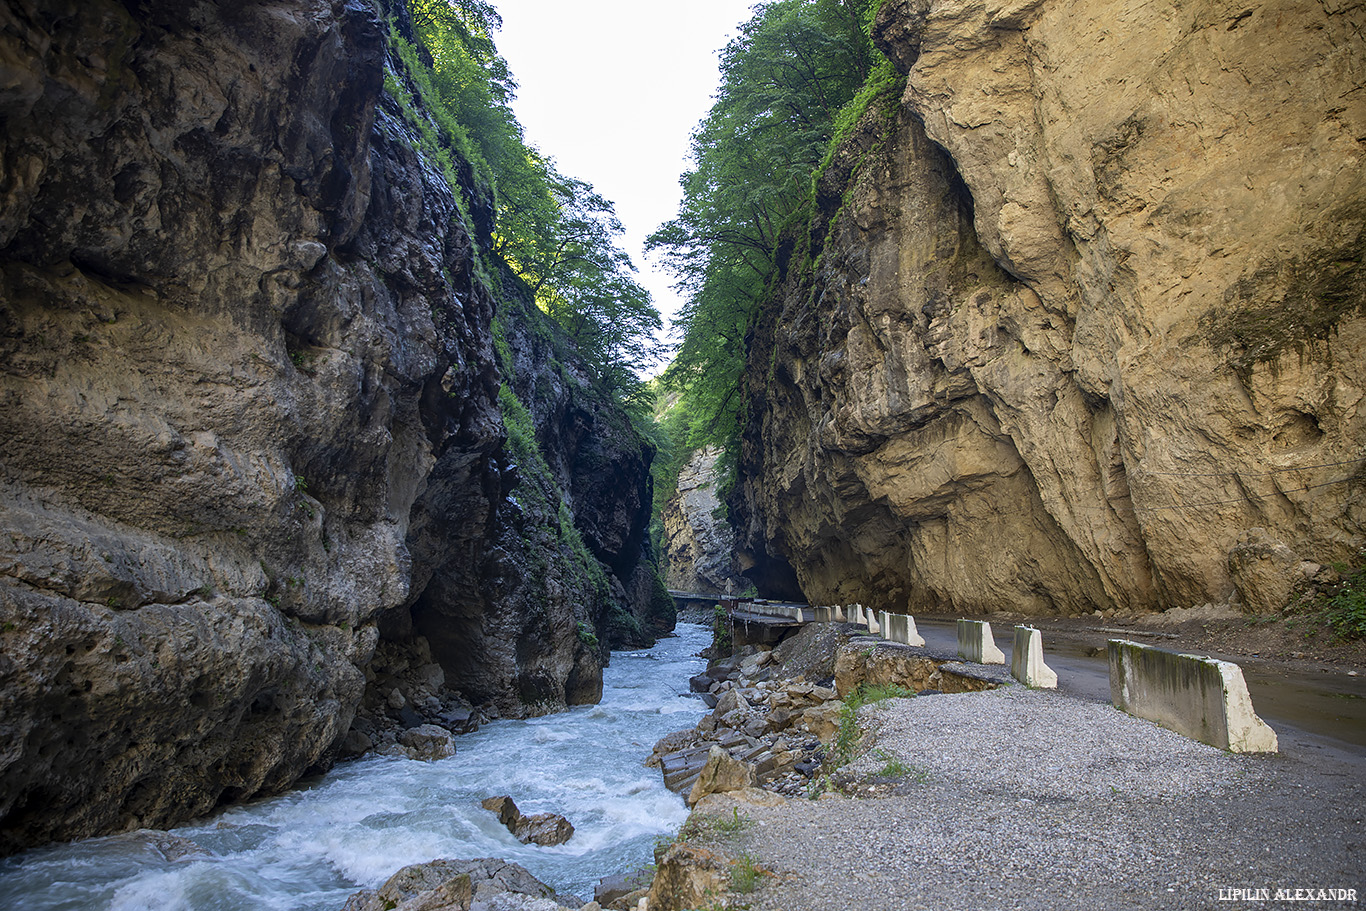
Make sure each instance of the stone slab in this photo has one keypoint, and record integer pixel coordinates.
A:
(1202, 698)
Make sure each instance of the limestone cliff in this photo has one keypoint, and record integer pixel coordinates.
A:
(1080, 322)
(250, 416)
(699, 544)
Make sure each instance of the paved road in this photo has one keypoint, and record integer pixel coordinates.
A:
(1329, 705)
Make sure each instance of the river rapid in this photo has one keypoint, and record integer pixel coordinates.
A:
(308, 850)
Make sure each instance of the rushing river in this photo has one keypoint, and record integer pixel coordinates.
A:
(310, 849)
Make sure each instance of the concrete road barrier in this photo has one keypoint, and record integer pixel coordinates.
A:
(1203, 698)
(1026, 660)
(976, 644)
(900, 628)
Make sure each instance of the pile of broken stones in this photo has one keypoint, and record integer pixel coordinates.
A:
(768, 718)
(407, 709)
(774, 727)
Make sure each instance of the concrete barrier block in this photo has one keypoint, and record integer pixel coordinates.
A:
(874, 626)
(900, 628)
(823, 614)
(976, 644)
(840, 616)
(1202, 698)
(1026, 659)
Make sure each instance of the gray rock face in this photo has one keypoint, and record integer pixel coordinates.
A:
(250, 416)
(700, 547)
(1076, 328)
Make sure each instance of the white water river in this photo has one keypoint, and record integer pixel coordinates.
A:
(311, 848)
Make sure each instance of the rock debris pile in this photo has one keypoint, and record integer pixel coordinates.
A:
(775, 711)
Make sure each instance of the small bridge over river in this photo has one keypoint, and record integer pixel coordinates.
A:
(756, 621)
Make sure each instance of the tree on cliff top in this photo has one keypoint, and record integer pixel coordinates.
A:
(784, 80)
(556, 232)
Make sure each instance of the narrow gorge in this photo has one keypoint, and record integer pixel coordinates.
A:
(322, 402)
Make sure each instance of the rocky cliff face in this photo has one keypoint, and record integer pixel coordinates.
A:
(1081, 324)
(251, 416)
(699, 545)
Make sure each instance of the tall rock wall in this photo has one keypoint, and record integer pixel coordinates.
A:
(1080, 324)
(250, 415)
(699, 544)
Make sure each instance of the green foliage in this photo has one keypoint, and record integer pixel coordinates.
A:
(1346, 608)
(521, 430)
(587, 636)
(846, 738)
(745, 873)
(845, 746)
(569, 536)
(785, 81)
(556, 232)
(875, 694)
(720, 630)
(701, 826)
(893, 767)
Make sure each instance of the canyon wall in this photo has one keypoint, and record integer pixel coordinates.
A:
(1079, 324)
(699, 544)
(251, 420)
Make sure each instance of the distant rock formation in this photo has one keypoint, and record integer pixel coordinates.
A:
(699, 544)
(1079, 324)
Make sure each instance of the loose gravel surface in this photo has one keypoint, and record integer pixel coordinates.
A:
(1030, 799)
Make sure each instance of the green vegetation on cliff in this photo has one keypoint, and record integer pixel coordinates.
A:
(794, 80)
(557, 233)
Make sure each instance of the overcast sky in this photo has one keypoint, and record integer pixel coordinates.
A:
(612, 90)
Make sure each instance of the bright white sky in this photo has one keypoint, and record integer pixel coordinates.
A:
(612, 89)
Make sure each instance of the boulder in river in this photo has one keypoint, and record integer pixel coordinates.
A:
(546, 829)
(428, 742)
(460, 885)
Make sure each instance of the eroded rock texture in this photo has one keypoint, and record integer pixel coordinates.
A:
(698, 542)
(1091, 316)
(249, 413)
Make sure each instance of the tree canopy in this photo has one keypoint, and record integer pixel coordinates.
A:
(556, 232)
(785, 79)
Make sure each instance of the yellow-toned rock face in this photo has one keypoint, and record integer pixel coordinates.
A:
(1090, 310)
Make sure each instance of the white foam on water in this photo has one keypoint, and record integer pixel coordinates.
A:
(309, 849)
(153, 892)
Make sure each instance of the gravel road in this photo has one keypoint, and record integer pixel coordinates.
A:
(1030, 799)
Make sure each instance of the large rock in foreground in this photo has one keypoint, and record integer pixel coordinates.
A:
(461, 885)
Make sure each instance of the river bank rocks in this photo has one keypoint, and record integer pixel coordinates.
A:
(486, 884)
(968, 800)
(775, 711)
